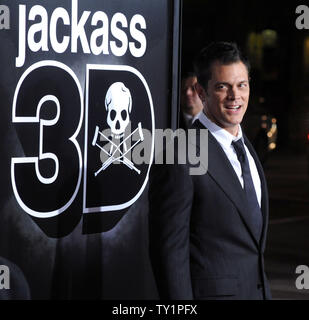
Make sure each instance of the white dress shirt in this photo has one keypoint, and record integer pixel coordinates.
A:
(225, 139)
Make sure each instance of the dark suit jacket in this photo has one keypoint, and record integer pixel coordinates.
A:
(202, 244)
(182, 121)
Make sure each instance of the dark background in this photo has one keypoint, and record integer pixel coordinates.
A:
(266, 32)
(279, 56)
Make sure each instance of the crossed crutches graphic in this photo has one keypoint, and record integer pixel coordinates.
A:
(111, 153)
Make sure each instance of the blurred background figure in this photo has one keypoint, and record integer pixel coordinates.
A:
(190, 103)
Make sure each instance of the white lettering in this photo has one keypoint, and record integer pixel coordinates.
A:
(102, 33)
(78, 28)
(119, 34)
(176, 309)
(40, 27)
(138, 36)
(59, 13)
(20, 60)
(43, 30)
(129, 310)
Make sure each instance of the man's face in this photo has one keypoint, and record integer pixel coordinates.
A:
(190, 101)
(227, 95)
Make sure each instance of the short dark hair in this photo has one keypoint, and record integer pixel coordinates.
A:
(188, 69)
(188, 74)
(223, 52)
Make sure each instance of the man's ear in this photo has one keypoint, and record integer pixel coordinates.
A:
(200, 91)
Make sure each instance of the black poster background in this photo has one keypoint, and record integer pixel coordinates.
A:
(68, 256)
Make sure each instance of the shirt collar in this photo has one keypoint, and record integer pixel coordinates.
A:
(222, 136)
(189, 117)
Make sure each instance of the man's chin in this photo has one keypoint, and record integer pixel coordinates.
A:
(189, 111)
(234, 121)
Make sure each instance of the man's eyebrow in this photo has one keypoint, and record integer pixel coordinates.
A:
(229, 84)
(222, 82)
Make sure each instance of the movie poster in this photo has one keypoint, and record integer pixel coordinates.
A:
(83, 86)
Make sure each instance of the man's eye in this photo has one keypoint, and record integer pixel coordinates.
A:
(243, 85)
(220, 86)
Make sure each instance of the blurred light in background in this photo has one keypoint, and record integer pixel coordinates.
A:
(272, 146)
(270, 38)
(257, 42)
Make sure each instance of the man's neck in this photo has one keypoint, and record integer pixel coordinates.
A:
(233, 130)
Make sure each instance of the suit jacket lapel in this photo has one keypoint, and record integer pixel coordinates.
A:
(221, 170)
(264, 200)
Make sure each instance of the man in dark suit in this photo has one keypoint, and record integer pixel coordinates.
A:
(208, 232)
(190, 103)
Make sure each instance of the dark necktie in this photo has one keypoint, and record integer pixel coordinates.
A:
(189, 123)
(253, 205)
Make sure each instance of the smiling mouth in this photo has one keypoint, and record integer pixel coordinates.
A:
(233, 107)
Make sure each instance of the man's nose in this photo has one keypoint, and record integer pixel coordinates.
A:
(233, 93)
(189, 91)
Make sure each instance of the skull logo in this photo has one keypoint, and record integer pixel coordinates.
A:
(118, 104)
